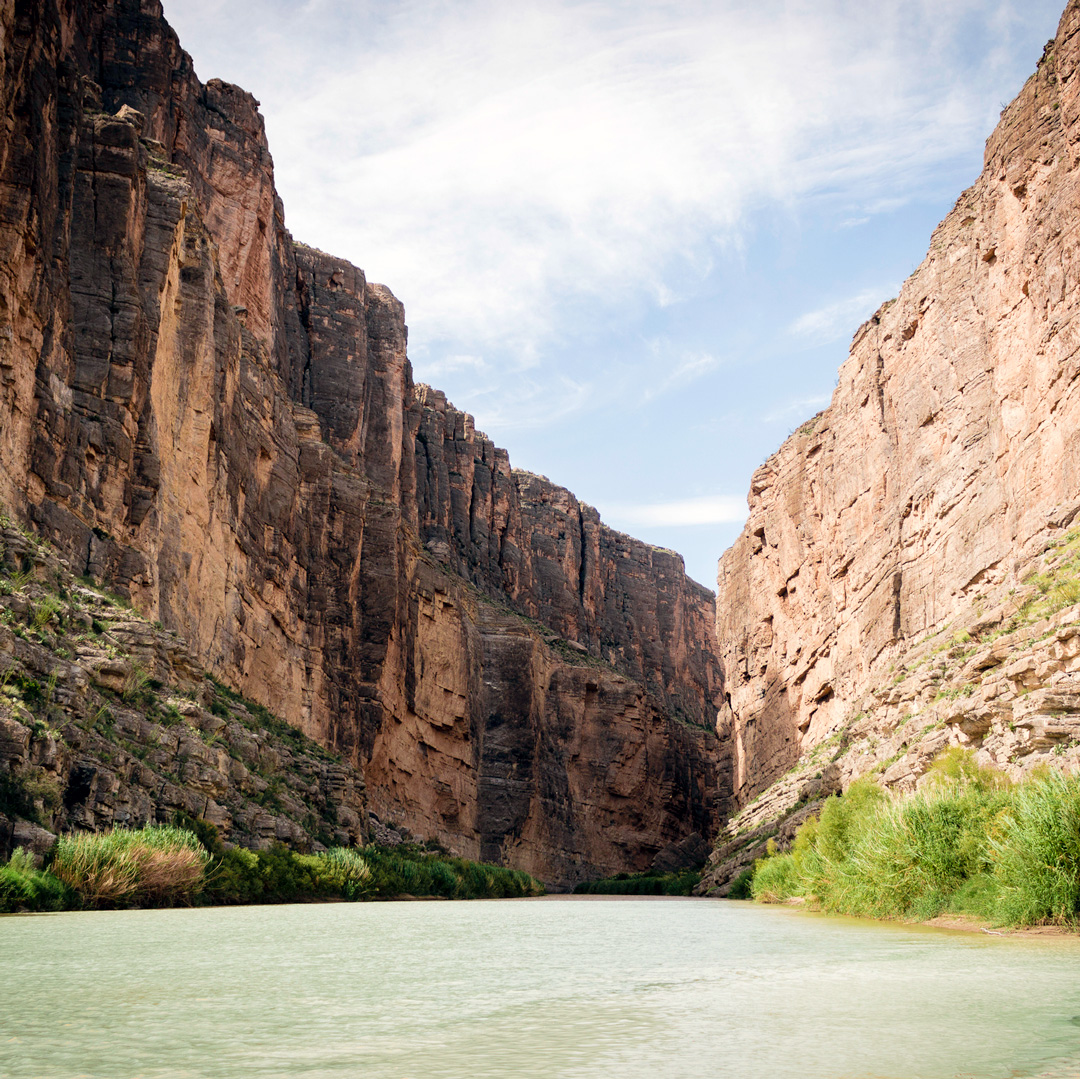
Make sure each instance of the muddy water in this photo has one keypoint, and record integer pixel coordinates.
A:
(587, 989)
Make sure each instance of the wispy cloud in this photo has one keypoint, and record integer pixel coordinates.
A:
(799, 409)
(840, 319)
(528, 403)
(509, 167)
(452, 363)
(673, 373)
(706, 510)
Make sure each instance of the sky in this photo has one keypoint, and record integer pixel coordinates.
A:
(634, 239)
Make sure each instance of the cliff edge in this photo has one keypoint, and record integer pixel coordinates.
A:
(223, 424)
(905, 579)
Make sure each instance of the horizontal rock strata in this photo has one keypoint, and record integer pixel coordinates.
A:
(947, 459)
(223, 423)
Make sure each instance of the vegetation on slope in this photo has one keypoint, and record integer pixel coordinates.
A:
(90, 688)
(968, 842)
(171, 866)
(681, 883)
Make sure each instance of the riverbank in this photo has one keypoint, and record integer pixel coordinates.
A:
(172, 866)
(968, 845)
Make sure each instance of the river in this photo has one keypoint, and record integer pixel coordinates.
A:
(537, 989)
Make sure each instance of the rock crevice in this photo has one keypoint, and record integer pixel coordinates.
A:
(223, 423)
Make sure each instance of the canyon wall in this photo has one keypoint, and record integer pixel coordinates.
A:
(947, 461)
(223, 424)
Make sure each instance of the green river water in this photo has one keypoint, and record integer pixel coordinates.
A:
(538, 989)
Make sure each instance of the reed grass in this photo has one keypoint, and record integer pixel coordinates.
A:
(966, 842)
(152, 865)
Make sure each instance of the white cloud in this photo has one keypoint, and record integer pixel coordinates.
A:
(706, 510)
(799, 409)
(509, 168)
(674, 373)
(842, 318)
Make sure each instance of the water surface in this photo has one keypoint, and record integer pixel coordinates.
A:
(563, 989)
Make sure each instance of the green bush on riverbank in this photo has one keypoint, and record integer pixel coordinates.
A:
(968, 843)
(171, 866)
(642, 884)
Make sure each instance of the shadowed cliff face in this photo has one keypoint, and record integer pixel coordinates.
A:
(948, 456)
(224, 424)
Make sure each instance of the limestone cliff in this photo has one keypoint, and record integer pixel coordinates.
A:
(887, 574)
(223, 424)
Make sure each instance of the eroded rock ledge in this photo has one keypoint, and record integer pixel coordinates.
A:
(223, 424)
(883, 600)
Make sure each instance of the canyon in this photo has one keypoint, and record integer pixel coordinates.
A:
(222, 424)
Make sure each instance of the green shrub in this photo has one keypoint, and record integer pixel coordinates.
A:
(967, 842)
(24, 887)
(1036, 852)
(742, 885)
(775, 879)
(907, 858)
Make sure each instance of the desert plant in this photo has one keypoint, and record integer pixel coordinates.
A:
(136, 685)
(45, 611)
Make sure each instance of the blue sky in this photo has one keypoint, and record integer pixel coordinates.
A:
(633, 239)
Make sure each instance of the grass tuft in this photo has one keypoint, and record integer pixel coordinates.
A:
(152, 865)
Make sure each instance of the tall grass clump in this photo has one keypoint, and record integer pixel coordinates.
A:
(1035, 846)
(347, 870)
(153, 865)
(963, 842)
(967, 842)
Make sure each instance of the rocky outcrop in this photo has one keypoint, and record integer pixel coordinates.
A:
(1002, 679)
(947, 460)
(106, 719)
(223, 424)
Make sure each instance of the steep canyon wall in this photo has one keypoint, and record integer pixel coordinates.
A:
(223, 423)
(946, 462)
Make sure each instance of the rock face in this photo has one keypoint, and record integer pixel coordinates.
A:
(1002, 679)
(947, 459)
(106, 719)
(223, 424)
